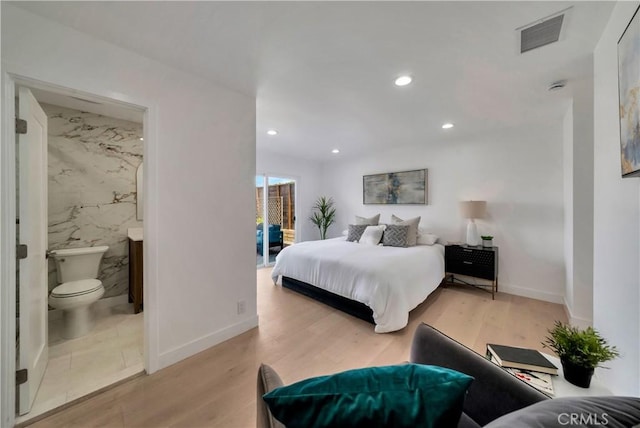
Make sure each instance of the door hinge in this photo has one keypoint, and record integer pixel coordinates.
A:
(22, 376)
(21, 126)
(21, 251)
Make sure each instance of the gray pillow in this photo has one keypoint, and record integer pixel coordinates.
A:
(412, 236)
(395, 235)
(609, 411)
(369, 221)
(268, 380)
(355, 232)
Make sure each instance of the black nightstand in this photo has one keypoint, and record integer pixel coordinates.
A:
(479, 262)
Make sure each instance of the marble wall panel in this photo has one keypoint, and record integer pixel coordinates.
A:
(92, 188)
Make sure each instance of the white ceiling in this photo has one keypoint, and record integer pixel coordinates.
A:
(323, 72)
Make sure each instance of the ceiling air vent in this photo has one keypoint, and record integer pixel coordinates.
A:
(541, 33)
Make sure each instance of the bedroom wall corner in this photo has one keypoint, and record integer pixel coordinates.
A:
(567, 168)
(579, 226)
(616, 268)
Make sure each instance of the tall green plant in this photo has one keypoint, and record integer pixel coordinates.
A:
(585, 348)
(324, 215)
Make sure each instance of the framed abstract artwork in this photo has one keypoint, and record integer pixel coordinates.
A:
(405, 187)
(629, 97)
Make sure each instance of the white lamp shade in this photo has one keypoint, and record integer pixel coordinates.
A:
(473, 209)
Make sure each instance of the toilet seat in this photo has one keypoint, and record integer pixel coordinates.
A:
(76, 288)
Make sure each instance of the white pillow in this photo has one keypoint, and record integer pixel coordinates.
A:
(372, 235)
(345, 232)
(371, 221)
(426, 238)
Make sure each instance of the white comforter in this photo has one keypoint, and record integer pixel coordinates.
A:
(391, 281)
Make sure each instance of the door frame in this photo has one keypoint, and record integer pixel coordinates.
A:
(266, 176)
(8, 233)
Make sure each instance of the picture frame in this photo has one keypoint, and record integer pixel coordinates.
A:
(629, 102)
(395, 188)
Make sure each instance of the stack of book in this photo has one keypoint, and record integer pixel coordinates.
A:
(527, 365)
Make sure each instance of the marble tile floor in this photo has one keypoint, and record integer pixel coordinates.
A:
(112, 351)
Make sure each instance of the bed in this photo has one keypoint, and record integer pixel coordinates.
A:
(377, 283)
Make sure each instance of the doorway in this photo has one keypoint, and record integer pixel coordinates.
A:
(92, 153)
(275, 216)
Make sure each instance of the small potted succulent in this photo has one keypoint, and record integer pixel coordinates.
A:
(580, 351)
(487, 240)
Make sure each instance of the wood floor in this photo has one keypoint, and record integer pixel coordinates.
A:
(300, 338)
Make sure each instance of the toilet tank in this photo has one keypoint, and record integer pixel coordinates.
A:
(74, 264)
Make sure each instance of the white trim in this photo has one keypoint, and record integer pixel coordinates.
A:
(7, 254)
(265, 187)
(107, 302)
(531, 293)
(198, 345)
(18, 76)
(574, 320)
(517, 291)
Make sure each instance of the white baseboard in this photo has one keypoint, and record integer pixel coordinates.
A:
(532, 294)
(517, 291)
(107, 302)
(205, 342)
(574, 320)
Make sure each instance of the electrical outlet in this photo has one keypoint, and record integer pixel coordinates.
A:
(242, 306)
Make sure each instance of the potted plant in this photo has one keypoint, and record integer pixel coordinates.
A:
(324, 215)
(487, 240)
(580, 351)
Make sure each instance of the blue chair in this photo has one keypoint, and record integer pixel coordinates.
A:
(276, 237)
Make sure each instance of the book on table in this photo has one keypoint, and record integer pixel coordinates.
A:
(540, 381)
(520, 358)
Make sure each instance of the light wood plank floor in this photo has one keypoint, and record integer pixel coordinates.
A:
(300, 337)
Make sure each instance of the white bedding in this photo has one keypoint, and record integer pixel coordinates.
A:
(390, 280)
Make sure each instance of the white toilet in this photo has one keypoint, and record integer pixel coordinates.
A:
(77, 270)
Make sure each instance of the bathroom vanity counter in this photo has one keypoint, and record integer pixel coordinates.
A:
(135, 267)
(135, 233)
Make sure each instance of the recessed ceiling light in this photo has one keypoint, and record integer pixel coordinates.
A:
(141, 139)
(403, 80)
(447, 126)
(335, 151)
(272, 132)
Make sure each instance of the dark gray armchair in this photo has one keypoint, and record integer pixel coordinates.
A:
(495, 397)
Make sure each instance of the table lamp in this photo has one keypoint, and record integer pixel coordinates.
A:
(473, 210)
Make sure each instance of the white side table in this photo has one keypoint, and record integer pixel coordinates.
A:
(562, 388)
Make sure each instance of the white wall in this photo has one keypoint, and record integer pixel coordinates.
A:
(307, 178)
(616, 272)
(517, 171)
(199, 178)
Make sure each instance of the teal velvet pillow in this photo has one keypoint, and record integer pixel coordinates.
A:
(406, 395)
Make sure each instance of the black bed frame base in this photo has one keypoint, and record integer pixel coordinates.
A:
(351, 307)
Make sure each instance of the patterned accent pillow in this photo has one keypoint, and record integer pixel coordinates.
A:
(355, 232)
(395, 235)
(412, 237)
